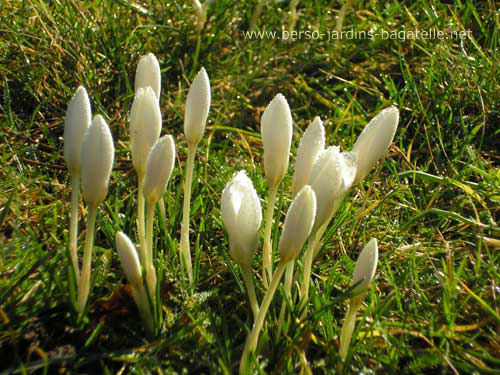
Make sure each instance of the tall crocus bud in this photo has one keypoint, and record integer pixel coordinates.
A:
(364, 270)
(197, 106)
(145, 126)
(374, 140)
(298, 224)
(148, 74)
(129, 259)
(78, 119)
(276, 130)
(97, 161)
(242, 216)
(311, 144)
(326, 179)
(159, 167)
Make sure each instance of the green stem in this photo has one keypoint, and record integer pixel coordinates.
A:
(253, 338)
(73, 231)
(140, 218)
(184, 245)
(142, 302)
(288, 293)
(84, 284)
(246, 271)
(163, 213)
(267, 249)
(308, 258)
(148, 266)
(347, 329)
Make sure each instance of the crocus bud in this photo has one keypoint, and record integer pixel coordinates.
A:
(242, 216)
(159, 168)
(298, 224)
(374, 140)
(326, 180)
(311, 144)
(145, 126)
(129, 259)
(148, 74)
(276, 130)
(98, 154)
(78, 119)
(348, 168)
(197, 106)
(365, 267)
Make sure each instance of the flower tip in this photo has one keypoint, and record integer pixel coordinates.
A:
(366, 265)
(128, 258)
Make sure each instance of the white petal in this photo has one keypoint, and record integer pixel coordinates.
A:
(145, 126)
(97, 161)
(242, 217)
(311, 144)
(298, 224)
(197, 107)
(77, 121)
(148, 74)
(159, 167)
(374, 140)
(276, 130)
(129, 259)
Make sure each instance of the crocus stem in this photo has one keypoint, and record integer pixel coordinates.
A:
(163, 213)
(140, 218)
(347, 329)
(184, 245)
(73, 229)
(84, 284)
(288, 293)
(308, 258)
(142, 302)
(267, 250)
(148, 264)
(253, 338)
(246, 271)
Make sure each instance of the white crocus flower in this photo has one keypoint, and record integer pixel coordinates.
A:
(159, 167)
(145, 127)
(311, 144)
(97, 162)
(276, 130)
(363, 274)
(197, 107)
(148, 74)
(242, 216)
(132, 268)
(374, 141)
(77, 121)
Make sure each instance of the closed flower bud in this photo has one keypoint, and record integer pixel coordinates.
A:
(197, 106)
(365, 267)
(311, 144)
(78, 119)
(326, 181)
(145, 126)
(159, 168)
(242, 216)
(374, 140)
(276, 130)
(298, 224)
(348, 168)
(129, 259)
(148, 74)
(98, 153)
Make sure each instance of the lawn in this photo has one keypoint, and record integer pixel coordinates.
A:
(432, 203)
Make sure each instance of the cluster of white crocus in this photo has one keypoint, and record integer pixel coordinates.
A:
(322, 178)
(89, 155)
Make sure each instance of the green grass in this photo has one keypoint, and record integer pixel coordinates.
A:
(433, 203)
